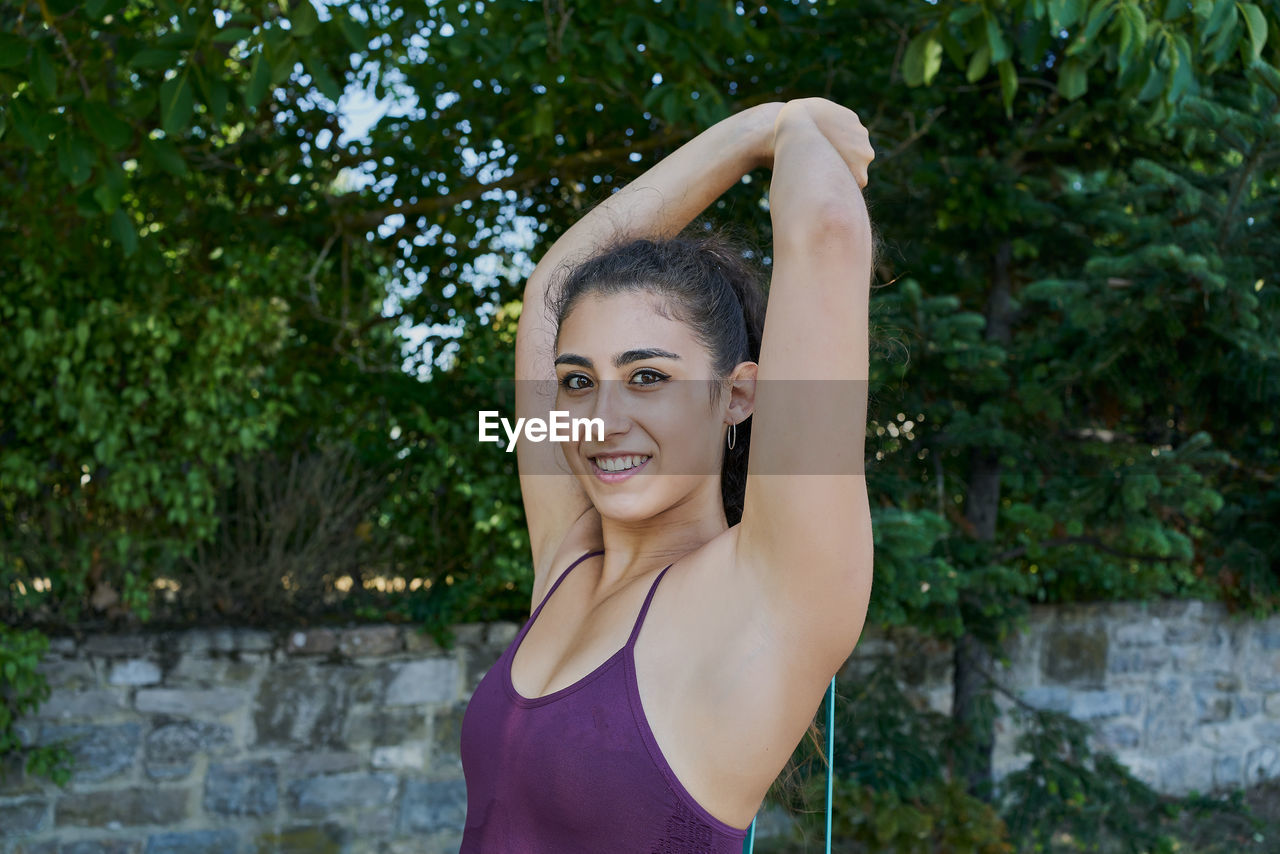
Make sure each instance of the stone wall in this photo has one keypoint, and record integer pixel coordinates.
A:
(346, 740)
(1182, 693)
(233, 741)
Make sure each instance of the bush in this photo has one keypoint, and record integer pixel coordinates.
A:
(22, 689)
(289, 532)
(895, 790)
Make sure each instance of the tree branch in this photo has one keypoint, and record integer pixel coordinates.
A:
(916, 133)
(66, 48)
(1242, 180)
(519, 178)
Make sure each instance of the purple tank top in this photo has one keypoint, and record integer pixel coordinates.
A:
(576, 771)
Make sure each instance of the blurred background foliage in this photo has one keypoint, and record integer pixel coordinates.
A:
(242, 350)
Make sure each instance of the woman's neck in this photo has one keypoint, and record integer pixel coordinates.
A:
(636, 549)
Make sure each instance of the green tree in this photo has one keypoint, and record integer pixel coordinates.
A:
(1064, 267)
(176, 293)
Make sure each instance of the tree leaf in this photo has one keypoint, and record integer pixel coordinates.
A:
(1051, 289)
(155, 58)
(99, 9)
(932, 59)
(650, 99)
(259, 80)
(1222, 11)
(669, 107)
(1008, 85)
(282, 62)
(1266, 75)
(176, 40)
(123, 232)
(951, 46)
(166, 155)
(886, 825)
(44, 80)
(13, 50)
(106, 198)
(1032, 43)
(656, 35)
(324, 80)
(218, 96)
(232, 35)
(544, 120)
(141, 105)
(175, 103)
(1064, 13)
(24, 120)
(1073, 78)
(352, 30)
(1154, 85)
(995, 39)
(1099, 15)
(304, 19)
(75, 158)
(1139, 21)
(1181, 72)
(103, 123)
(1224, 41)
(1133, 33)
(1126, 39)
(1257, 25)
(922, 58)
(274, 37)
(964, 13)
(114, 176)
(979, 64)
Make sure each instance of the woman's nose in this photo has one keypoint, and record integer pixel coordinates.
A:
(610, 405)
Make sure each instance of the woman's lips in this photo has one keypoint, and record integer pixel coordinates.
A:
(616, 476)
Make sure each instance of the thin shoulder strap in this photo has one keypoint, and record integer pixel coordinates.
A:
(749, 843)
(644, 609)
(538, 610)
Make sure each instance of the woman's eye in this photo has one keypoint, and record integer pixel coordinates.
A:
(654, 375)
(575, 382)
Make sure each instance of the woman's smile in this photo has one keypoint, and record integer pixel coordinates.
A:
(615, 468)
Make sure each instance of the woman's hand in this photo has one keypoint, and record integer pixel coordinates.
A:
(842, 128)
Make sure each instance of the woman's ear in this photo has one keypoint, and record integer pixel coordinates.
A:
(742, 392)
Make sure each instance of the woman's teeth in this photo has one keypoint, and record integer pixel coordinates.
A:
(619, 463)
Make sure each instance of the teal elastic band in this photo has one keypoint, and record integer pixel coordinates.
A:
(831, 752)
(749, 843)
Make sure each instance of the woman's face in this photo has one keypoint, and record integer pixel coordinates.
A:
(649, 380)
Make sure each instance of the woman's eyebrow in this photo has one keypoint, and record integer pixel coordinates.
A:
(573, 359)
(626, 357)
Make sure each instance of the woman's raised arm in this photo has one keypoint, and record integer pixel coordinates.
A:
(659, 203)
(805, 535)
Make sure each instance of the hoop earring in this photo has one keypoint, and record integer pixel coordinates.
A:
(733, 435)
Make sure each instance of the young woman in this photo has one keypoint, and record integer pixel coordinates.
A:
(589, 734)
